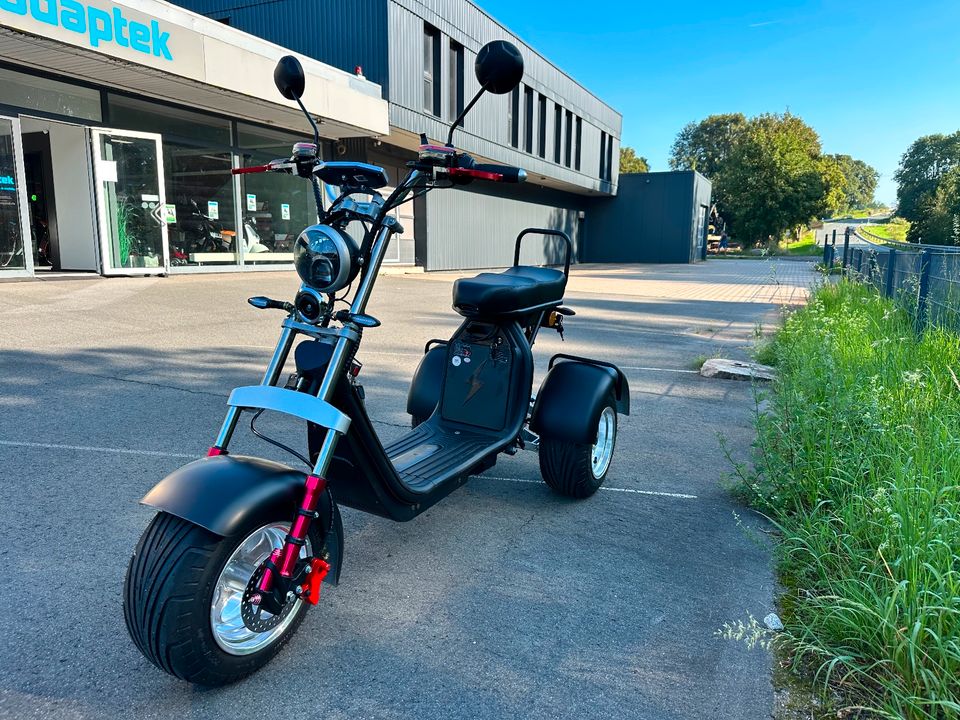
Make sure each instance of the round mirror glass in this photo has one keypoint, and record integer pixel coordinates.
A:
(289, 78)
(499, 67)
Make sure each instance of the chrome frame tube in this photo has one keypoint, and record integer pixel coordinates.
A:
(280, 354)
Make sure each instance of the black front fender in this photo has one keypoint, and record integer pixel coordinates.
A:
(225, 494)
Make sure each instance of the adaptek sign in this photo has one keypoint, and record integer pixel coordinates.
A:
(109, 28)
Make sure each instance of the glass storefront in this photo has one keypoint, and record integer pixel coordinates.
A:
(132, 205)
(275, 207)
(31, 92)
(197, 161)
(200, 216)
(11, 239)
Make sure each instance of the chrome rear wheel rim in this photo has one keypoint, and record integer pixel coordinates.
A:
(602, 451)
(226, 621)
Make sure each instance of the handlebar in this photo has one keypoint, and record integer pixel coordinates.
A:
(254, 169)
(494, 173)
(507, 173)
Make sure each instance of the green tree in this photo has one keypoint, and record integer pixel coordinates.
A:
(928, 192)
(776, 178)
(860, 182)
(706, 146)
(630, 162)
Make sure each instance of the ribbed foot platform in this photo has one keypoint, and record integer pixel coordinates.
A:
(432, 454)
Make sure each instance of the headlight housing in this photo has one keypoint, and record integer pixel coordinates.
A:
(327, 259)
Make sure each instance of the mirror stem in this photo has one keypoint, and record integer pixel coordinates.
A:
(461, 116)
(313, 124)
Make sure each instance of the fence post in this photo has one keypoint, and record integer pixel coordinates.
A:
(888, 280)
(826, 252)
(846, 247)
(924, 289)
(834, 237)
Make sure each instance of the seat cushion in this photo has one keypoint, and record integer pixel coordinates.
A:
(514, 289)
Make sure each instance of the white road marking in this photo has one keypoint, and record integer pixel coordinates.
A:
(631, 491)
(88, 448)
(161, 453)
(656, 369)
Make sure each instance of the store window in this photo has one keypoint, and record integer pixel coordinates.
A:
(513, 117)
(603, 155)
(456, 80)
(50, 96)
(578, 140)
(557, 131)
(196, 162)
(431, 70)
(11, 239)
(528, 119)
(275, 208)
(542, 130)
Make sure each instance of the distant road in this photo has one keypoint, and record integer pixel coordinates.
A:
(840, 225)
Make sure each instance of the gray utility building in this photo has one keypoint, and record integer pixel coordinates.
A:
(656, 217)
(421, 53)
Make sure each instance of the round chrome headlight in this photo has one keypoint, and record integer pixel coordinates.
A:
(327, 259)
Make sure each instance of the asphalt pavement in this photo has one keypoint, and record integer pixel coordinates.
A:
(503, 601)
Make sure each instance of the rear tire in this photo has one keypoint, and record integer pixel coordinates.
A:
(577, 470)
(168, 596)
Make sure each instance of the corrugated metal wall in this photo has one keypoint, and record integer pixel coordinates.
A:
(485, 131)
(652, 219)
(476, 229)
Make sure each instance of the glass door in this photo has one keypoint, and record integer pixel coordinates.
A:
(15, 257)
(131, 204)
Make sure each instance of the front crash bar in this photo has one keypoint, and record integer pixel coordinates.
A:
(290, 402)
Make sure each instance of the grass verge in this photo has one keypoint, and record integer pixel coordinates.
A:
(896, 229)
(858, 461)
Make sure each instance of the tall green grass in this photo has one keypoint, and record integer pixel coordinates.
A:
(858, 463)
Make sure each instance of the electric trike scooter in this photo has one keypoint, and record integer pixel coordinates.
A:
(225, 571)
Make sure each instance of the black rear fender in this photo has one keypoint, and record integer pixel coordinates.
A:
(572, 396)
(225, 494)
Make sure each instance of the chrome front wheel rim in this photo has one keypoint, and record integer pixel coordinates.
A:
(226, 621)
(602, 451)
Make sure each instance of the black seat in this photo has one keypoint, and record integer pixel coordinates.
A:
(515, 289)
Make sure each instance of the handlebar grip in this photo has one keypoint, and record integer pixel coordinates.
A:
(507, 173)
(254, 169)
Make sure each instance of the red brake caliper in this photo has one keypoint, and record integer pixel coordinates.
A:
(310, 590)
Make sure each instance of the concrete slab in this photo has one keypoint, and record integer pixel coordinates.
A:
(502, 601)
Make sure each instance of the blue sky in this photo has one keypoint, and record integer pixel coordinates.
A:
(870, 77)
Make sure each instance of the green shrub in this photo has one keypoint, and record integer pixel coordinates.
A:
(858, 463)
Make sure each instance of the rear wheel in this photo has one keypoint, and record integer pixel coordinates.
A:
(186, 599)
(577, 470)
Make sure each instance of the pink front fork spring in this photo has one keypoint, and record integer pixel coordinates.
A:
(285, 559)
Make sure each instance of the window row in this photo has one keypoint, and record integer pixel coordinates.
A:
(433, 72)
(606, 157)
(564, 148)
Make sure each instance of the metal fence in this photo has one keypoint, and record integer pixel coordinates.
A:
(923, 278)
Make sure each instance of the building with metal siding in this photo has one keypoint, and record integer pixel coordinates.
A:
(567, 163)
(656, 218)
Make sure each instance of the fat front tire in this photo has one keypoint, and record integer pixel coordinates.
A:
(577, 470)
(181, 603)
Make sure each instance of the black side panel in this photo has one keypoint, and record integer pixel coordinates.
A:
(570, 401)
(226, 492)
(427, 383)
(361, 476)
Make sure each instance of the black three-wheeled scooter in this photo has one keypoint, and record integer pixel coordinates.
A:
(223, 574)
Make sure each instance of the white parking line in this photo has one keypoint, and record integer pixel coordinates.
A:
(193, 456)
(88, 448)
(632, 491)
(656, 369)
